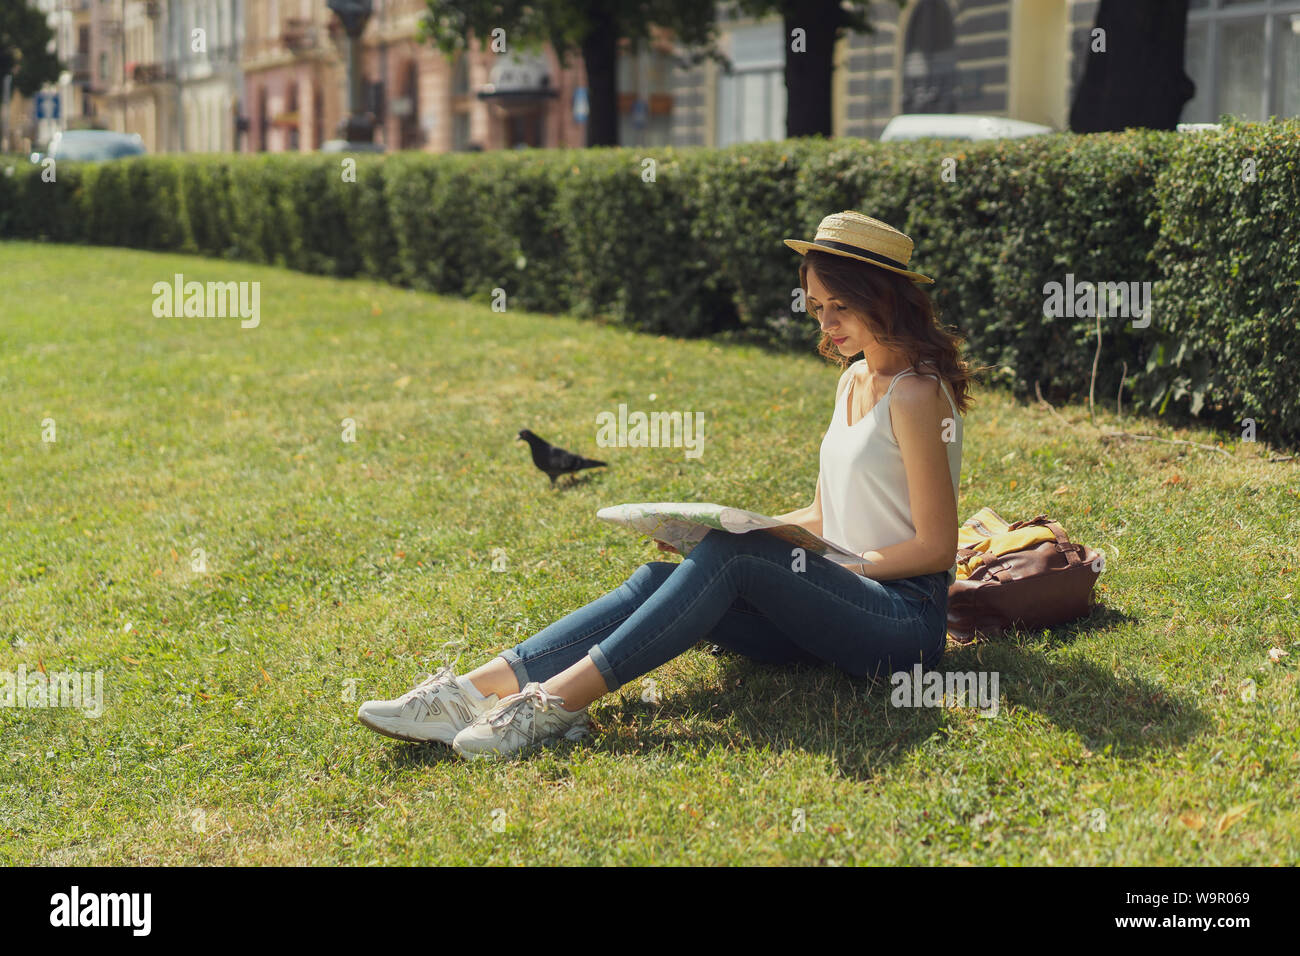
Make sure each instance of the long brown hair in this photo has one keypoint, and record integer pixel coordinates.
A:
(899, 314)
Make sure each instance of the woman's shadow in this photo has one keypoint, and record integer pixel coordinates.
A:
(864, 724)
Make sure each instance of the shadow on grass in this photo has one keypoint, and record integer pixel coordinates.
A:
(577, 480)
(819, 709)
(1101, 619)
(404, 755)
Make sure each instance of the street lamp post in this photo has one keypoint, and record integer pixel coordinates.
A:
(358, 126)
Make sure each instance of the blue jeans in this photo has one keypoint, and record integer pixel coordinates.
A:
(739, 591)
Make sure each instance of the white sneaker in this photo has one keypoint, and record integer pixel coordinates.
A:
(437, 709)
(528, 719)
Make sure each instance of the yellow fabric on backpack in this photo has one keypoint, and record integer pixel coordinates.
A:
(987, 534)
(980, 526)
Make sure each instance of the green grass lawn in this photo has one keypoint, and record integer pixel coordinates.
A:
(338, 571)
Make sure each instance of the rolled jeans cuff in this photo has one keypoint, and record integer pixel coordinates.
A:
(516, 665)
(602, 664)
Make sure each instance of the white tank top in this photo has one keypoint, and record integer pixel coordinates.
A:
(865, 505)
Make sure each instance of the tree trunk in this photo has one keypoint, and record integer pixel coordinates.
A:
(1139, 81)
(599, 56)
(808, 74)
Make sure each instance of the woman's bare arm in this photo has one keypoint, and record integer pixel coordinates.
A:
(918, 408)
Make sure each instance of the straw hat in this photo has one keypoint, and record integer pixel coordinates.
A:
(860, 237)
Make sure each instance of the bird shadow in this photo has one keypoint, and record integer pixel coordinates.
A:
(571, 481)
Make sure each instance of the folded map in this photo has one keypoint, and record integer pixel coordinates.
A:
(684, 524)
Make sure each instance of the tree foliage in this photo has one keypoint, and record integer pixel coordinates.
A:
(24, 41)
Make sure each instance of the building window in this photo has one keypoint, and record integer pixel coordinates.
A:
(1286, 68)
(317, 117)
(1244, 58)
(751, 99)
(460, 131)
(263, 121)
(407, 106)
(930, 60)
(644, 96)
(293, 120)
(460, 76)
(524, 129)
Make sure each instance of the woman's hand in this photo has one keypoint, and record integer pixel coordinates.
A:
(666, 547)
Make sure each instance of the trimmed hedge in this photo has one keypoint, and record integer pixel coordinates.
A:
(1230, 282)
(692, 246)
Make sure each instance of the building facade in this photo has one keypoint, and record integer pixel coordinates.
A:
(292, 80)
(71, 23)
(1020, 59)
(1244, 58)
(269, 75)
(166, 69)
(295, 90)
(203, 42)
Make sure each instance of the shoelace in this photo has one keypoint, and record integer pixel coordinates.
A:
(535, 695)
(420, 693)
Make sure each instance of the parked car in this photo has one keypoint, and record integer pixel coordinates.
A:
(344, 146)
(958, 126)
(91, 145)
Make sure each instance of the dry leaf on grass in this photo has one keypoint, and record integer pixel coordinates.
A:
(1233, 815)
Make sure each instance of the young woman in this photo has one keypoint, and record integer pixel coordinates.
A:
(887, 490)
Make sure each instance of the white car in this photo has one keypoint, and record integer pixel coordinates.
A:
(343, 146)
(958, 126)
(91, 145)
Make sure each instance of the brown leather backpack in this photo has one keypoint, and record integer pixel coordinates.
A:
(1026, 574)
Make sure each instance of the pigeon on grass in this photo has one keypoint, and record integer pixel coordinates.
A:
(555, 461)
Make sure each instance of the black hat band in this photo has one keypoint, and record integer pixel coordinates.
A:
(867, 253)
